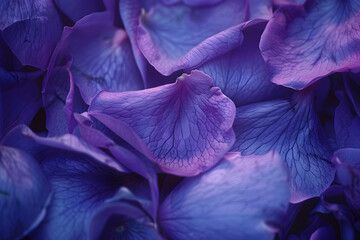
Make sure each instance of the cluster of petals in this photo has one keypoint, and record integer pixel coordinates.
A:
(179, 119)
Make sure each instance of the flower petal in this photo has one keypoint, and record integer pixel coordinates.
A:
(292, 128)
(76, 10)
(346, 123)
(102, 57)
(24, 193)
(122, 221)
(240, 198)
(31, 29)
(302, 43)
(241, 73)
(180, 37)
(187, 126)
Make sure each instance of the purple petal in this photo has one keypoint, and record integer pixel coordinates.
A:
(346, 123)
(193, 3)
(81, 177)
(302, 43)
(260, 9)
(293, 129)
(102, 57)
(181, 37)
(124, 156)
(121, 221)
(130, 11)
(240, 198)
(348, 174)
(19, 110)
(186, 125)
(349, 156)
(241, 73)
(31, 29)
(24, 193)
(76, 10)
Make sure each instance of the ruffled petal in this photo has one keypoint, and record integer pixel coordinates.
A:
(241, 73)
(292, 128)
(24, 193)
(186, 125)
(102, 57)
(181, 37)
(303, 43)
(31, 29)
(240, 198)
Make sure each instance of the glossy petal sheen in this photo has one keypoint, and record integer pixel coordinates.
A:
(24, 193)
(186, 125)
(31, 29)
(102, 57)
(304, 43)
(292, 129)
(179, 36)
(236, 199)
(241, 73)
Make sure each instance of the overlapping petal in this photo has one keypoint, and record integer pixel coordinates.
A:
(24, 193)
(187, 126)
(16, 110)
(240, 198)
(241, 73)
(346, 123)
(303, 43)
(31, 29)
(122, 221)
(181, 37)
(102, 57)
(292, 128)
(82, 179)
(76, 10)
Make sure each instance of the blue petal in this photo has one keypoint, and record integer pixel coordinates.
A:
(102, 56)
(346, 123)
(21, 98)
(302, 43)
(292, 128)
(76, 10)
(241, 73)
(122, 221)
(180, 37)
(186, 125)
(24, 193)
(31, 29)
(240, 198)
(82, 179)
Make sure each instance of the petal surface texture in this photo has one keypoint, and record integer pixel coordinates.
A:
(292, 128)
(102, 57)
(31, 29)
(304, 43)
(122, 221)
(241, 73)
(24, 193)
(234, 200)
(179, 36)
(186, 125)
